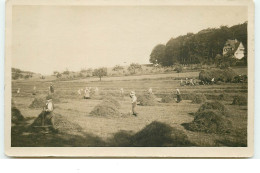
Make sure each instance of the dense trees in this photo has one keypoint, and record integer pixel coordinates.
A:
(133, 67)
(202, 47)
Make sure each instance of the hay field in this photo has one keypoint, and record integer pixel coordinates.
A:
(104, 131)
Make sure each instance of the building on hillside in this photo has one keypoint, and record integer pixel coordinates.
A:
(235, 47)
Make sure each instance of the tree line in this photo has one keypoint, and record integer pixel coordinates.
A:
(202, 47)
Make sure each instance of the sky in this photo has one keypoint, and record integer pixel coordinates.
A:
(55, 38)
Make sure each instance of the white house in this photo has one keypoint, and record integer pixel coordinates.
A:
(235, 47)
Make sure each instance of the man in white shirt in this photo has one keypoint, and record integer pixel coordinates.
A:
(134, 102)
(48, 112)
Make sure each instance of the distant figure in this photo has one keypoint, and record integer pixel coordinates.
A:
(181, 84)
(51, 89)
(212, 80)
(122, 92)
(96, 90)
(79, 91)
(18, 91)
(87, 93)
(134, 102)
(178, 93)
(191, 82)
(150, 91)
(187, 81)
(34, 90)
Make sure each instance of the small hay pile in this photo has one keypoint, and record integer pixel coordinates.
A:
(146, 100)
(168, 98)
(16, 115)
(157, 134)
(38, 102)
(108, 107)
(239, 100)
(199, 98)
(210, 118)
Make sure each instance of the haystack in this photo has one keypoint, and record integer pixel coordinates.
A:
(226, 75)
(159, 134)
(108, 107)
(146, 99)
(199, 98)
(215, 105)
(60, 123)
(16, 115)
(209, 121)
(168, 98)
(38, 102)
(239, 100)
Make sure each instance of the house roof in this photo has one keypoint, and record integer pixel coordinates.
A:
(234, 44)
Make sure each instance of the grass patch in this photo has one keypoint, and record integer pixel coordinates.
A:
(239, 100)
(199, 98)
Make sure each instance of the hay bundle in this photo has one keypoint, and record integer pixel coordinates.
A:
(146, 100)
(168, 98)
(226, 75)
(16, 115)
(239, 100)
(215, 105)
(159, 134)
(60, 123)
(209, 121)
(108, 107)
(199, 98)
(38, 102)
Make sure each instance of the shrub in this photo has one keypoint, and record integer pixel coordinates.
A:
(178, 68)
(209, 121)
(239, 100)
(146, 100)
(198, 98)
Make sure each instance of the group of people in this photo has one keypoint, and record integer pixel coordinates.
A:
(188, 81)
(87, 92)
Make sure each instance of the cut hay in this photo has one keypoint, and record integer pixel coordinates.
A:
(107, 108)
(16, 115)
(209, 121)
(60, 123)
(199, 98)
(226, 75)
(168, 98)
(215, 105)
(38, 102)
(239, 100)
(159, 134)
(146, 100)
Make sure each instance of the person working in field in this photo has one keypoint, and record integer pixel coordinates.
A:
(47, 114)
(34, 90)
(122, 92)
(178, 93)
(18, 91)
(87, 93)
(134, 102)
(51, 89)
(150, 91)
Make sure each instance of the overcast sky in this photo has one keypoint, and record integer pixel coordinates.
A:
(49, 38)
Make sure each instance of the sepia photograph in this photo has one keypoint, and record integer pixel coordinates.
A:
(124, 78)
